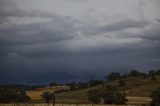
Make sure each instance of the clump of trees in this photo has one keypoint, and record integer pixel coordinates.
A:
(52, 84)
(113, 76)
(133, 73)
(110, 95)
(155, 98)
(12, 96)
(49, 97)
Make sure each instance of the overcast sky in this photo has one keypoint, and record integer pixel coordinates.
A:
(64, 40)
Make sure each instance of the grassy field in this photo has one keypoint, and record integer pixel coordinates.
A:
(137, 89)
(35, 95)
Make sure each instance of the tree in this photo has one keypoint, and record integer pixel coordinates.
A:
(48, 97)
(134, 73)
(155, 97)
(113, 76)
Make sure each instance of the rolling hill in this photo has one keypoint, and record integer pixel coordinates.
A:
(137, 89)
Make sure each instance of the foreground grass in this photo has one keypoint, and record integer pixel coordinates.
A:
(61, 105)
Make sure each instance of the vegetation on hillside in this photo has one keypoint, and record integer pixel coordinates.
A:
(109, 95)
(12, 96)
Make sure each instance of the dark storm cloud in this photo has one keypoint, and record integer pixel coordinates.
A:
(56, 47)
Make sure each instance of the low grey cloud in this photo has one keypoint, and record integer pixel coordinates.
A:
(9, 8)
(150, 33)
(117, 26)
